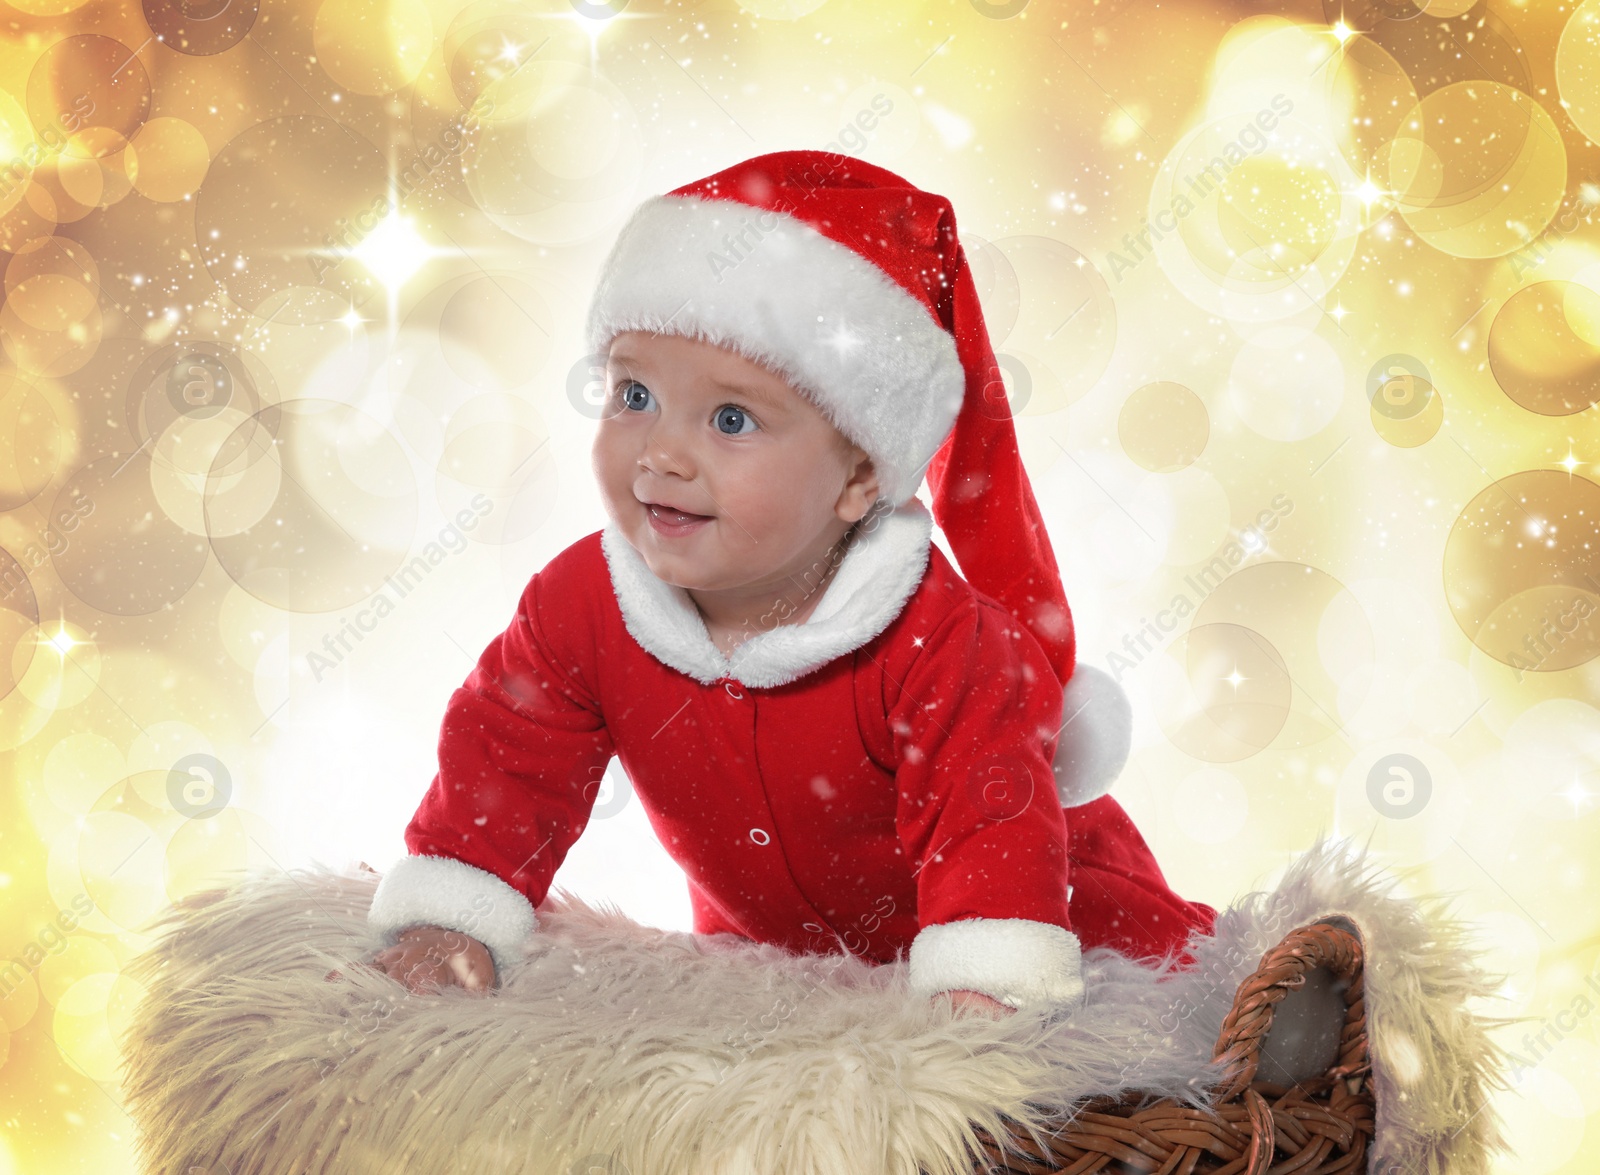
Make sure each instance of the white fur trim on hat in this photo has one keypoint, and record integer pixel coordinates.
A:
(1096, 735)
(1020, 962)
(441, 891)
(770, 287)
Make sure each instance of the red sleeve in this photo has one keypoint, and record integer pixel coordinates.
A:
(522, 749)
(975, 725)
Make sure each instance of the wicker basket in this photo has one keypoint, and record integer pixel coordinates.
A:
(1315, 1127)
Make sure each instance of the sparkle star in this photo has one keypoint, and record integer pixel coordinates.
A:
(843, 339)
(1578, 794)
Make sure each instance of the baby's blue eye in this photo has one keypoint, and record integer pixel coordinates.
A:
(626, 392)
(731, 418)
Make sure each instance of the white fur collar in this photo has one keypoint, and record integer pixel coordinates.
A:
(877, 575)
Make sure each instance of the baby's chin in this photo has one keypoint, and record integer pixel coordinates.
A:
(695, 574)
(694, 570)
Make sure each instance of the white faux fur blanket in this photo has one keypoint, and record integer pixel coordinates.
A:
(635, 1051)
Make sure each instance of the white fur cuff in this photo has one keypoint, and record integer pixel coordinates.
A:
(1018, 961)
(441, 891)
(1096, 735)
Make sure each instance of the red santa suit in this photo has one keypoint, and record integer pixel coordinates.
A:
(875, 778)
(920, 767)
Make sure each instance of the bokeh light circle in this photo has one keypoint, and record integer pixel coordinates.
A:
(126, 557)
(993, 277)
(373, 46)
(1285, 385)
(91, 1020)
(89, 81)
(495, 331)
(1251, 225)
(167, 159)
(1379, 96)
(27, 216)
(1065, 321)
(1522, 570)
(1479, 169)
(201, 28)
(1315, 626)
(283, 205)
(1163, 426)
(488, 40)
(1552, 750)
(1578, 68)
(191, 381)
(1439, 42)
(498, 471)
(556, 154)
(19, 618)
(38, 441)
(119, 856)
(1544, 347)
(1405, 408)
(311, 505)
(50, 324)
(1222, 692)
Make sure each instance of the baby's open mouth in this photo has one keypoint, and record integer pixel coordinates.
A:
(669, 520)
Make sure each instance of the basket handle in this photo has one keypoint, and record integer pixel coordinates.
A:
(1282, 968)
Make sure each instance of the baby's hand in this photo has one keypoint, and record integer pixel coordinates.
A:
(426, 958)
(963, 999)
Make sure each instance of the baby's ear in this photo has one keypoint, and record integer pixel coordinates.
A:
(860, 488)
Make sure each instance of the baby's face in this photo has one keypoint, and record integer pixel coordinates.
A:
(719, 473)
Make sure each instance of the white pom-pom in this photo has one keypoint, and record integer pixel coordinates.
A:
(1096, 735)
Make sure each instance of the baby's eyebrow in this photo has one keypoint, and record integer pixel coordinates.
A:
(750, 390)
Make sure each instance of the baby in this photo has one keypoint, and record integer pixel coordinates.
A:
(844, 744)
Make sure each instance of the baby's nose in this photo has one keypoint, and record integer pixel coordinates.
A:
(668, 450)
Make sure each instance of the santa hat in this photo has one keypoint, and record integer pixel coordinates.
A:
(850, 282)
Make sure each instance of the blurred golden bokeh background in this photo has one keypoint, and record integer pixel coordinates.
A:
(1298, 305)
